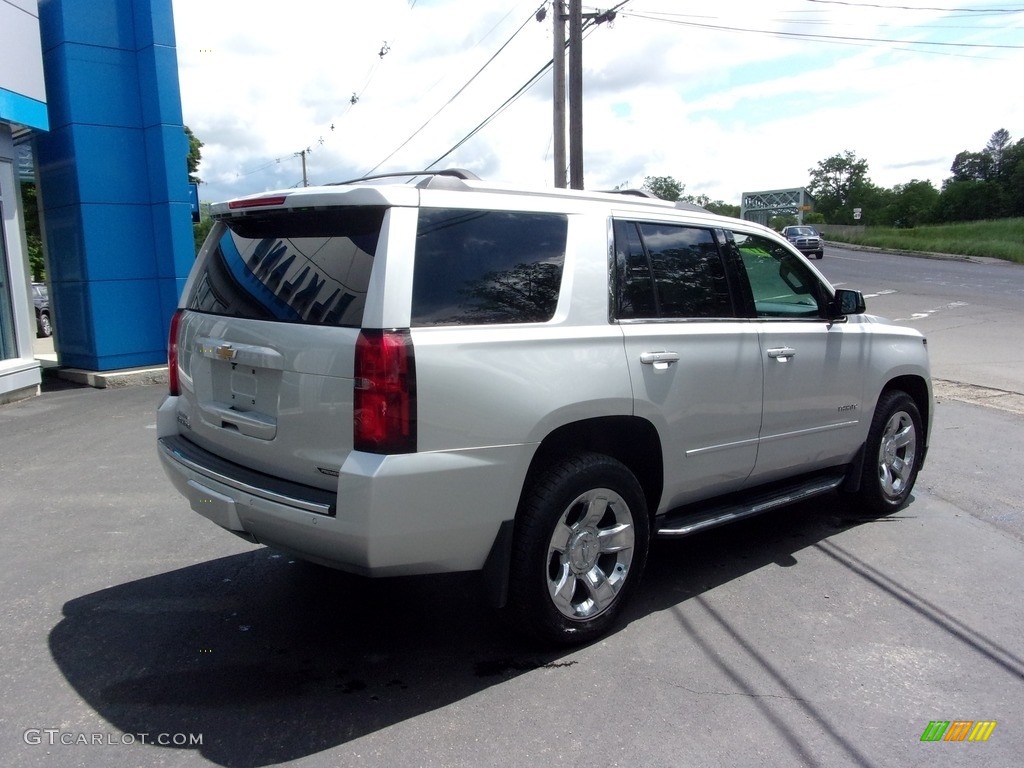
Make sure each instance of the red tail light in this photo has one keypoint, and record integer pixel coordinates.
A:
(173, 385)
(384, 405)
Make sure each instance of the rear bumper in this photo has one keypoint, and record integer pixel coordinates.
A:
(198, 466)
(392, 515)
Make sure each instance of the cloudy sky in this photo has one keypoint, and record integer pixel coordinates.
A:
(731, 96)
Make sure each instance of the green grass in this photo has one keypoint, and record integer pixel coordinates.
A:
(1001, 238)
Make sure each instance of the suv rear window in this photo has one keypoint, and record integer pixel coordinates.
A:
(296, 266)
(481, 267)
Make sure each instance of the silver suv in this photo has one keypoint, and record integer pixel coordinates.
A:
(446, 375)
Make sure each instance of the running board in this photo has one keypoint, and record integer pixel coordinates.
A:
(687, 520)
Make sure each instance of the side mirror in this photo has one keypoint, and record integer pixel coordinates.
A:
(847, 302)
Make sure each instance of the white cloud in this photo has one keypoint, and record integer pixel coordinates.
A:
(723, 111)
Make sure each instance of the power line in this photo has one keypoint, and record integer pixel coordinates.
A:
(917, 7)
(487, 120)
(825, 38)
(352, 101)
(455, 96)
(588, 28)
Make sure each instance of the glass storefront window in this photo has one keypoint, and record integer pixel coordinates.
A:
(8, 348)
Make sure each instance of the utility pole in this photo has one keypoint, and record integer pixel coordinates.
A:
(576, 94)
(302, 154)
(558, 74)
(575, 86)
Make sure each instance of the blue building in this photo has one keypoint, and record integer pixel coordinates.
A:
(92, 87)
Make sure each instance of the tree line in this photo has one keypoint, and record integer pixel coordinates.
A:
(987, 184)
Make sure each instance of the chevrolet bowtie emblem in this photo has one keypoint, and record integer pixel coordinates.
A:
(226, 352)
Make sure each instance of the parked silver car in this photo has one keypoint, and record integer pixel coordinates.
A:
(450, 375)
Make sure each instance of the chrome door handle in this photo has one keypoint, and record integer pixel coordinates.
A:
(782, 354)
(659, 360)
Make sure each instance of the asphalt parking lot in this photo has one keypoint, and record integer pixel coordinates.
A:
(131, 628)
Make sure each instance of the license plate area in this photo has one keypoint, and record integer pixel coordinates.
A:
(244, 389)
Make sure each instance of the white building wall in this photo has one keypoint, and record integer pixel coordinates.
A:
(22, 105)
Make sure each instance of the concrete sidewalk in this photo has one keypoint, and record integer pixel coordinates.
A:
(43, 350)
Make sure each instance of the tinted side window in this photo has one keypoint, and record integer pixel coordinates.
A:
(303, 266)
(634, 281)
(782, 285)
(476, 267)
(669, 271)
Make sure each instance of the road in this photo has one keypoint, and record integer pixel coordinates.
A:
(815, 636)
(971, 312)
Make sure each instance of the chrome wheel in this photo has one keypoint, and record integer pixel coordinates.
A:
(897, 452)
(590, 553)
(892, 453)
(581, 539)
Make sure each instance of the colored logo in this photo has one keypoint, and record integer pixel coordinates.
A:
(958, 730)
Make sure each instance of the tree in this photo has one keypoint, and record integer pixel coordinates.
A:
(665, 187)
(996, 148)
(194, 156)
(910, 204)
(839, 184)
(201, 229)
(1011, 175)
(970, 166)
(985, 184)
(967, 201)
(723, 208)
(33, 231)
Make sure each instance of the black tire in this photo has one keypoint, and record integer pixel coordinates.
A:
(45, 328)
(581, 540)
(892, 454)
(820, 255)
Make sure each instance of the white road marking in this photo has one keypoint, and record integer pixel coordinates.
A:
(930, 312)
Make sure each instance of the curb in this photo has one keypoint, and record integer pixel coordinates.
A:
(128, 377)
(918, 254)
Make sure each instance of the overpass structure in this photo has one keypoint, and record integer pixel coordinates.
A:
(762, 206)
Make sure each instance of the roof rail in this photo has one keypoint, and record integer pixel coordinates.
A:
(688, 206)
(633, 193)
(457, 173)
(681, 204)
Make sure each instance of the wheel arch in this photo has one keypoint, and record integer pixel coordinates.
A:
(920, 392)
(630, 440)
